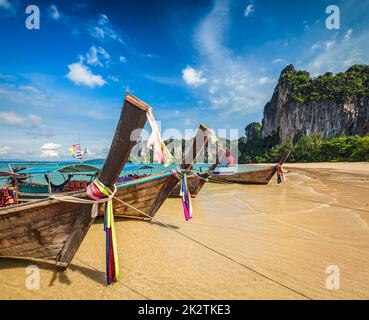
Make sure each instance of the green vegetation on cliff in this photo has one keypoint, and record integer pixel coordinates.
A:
(307, 148)
(339, 87)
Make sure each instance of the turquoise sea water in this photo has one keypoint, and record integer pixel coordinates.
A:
(58, 178)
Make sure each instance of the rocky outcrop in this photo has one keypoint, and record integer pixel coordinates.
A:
(297, 109)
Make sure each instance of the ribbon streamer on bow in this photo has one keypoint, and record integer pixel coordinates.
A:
(186, 198)
(280, 174)
(96, 190)
(161, 152)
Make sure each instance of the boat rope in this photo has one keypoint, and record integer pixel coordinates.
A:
(214, 250)
(94, 203)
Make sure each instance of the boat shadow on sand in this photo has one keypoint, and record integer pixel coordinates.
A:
(58, 274)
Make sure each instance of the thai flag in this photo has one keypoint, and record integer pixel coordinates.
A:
(77, 151)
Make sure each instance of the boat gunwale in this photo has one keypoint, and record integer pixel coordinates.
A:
(153, 177)
(38, 201)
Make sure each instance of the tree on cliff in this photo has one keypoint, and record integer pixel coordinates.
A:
(253, 131)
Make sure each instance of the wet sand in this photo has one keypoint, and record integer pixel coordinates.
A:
(244, 242)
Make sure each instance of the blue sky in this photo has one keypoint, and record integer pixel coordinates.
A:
(215, 62)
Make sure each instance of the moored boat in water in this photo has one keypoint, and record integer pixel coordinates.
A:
(53, 229)
(258, 175)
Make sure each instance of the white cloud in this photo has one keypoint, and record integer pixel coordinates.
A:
(8, 77)
(113, 78)
(170, 81)
(232, 83)
(98, 114)
(40, 133)
(35, 120)
(266, 80)
(17, 120)
(249, 10)
(54, 12)
(306, 25)
(329, 44)
(94, 54)
(188, 122)
(326, 45)
(122, 59)
(334, 58)
(213, 89)
(50, 149)
(7, 5)
(193, 77)
(4, 150)
(82, 75)
(347, 36)
(343, 54)
(316, 46)
(103, 30)
(31, 94)
(278, 60)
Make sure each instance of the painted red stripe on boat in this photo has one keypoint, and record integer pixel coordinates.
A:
(136, 102)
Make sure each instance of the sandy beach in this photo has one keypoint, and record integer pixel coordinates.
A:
(244, 242)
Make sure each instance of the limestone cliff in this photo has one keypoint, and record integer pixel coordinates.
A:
(331, 104)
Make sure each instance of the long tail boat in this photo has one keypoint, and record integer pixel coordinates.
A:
(258, 176)
(141, 198)
(29, 190)
(52, 229)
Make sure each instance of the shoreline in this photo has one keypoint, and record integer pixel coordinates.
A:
(344, 165)
(266, 242)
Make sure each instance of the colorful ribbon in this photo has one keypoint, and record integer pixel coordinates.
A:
(96, 191)
(280, 174)
(161, 152)
(186, 198)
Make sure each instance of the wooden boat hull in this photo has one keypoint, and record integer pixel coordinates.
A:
(258, 176)
(45, 229)
(262, 176)
(195, 184)
(145, 194)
